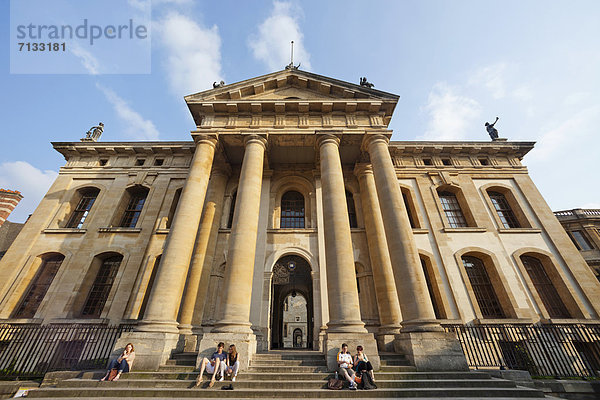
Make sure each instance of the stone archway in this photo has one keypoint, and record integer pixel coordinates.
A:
(291, 278)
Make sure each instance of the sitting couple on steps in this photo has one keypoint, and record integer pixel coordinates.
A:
(223, 363)
(349, 367)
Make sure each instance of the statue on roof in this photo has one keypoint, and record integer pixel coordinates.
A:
(94, 133)
(365, 83)
(218, 85)
(493, 132)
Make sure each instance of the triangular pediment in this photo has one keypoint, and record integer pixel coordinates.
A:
(290, 85)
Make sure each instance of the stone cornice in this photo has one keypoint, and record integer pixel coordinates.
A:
(518, 149)
(69, 149)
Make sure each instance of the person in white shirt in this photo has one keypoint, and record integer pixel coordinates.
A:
(345, 364)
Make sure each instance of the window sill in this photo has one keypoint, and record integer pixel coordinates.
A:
(71, 321)
(289, 230)
(24, 321)
(466, 229)
(559, 321)
(519, 230)
(418, 231)
(163, 231)
(119, 230)
(65, 230)
(500, 321)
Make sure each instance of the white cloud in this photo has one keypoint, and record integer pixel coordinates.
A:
(135, 125)
(272, 42)
(32, 182)
(89, 62)
(452, 116)
(492, 78)
(193, 59)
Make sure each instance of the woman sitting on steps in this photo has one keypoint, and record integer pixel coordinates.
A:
(121, 364)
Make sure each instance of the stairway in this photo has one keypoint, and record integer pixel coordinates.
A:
(287, 374)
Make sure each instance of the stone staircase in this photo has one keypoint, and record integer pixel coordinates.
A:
(287, 374)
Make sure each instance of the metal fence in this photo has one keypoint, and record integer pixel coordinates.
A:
(565, 350)
(29, 351)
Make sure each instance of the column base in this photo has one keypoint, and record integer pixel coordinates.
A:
(385, 336)
(245, 344)
(431, 351)
(158, 326)
(346, 327)
(234, 327)
(421, 325)
(152, 349)
(332, 344)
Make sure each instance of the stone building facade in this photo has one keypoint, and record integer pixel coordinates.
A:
(583, 226)
(291, 183)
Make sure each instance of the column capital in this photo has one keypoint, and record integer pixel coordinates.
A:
(255, 138)
(324, 138)
(210, 139)
(361, 169)
(375, 137)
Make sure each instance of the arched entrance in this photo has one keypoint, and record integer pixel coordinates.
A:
(291, 304)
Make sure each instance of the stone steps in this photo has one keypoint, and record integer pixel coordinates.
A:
(294, 384)
(294, 374)
(109, 391)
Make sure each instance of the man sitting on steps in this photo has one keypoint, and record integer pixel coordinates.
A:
(216, 363)
(345, 363)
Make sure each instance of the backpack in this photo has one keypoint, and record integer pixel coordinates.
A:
(335, 384)
(366, 381)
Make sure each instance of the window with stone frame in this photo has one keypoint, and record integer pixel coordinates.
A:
(411, 218)
(430, 282)
(502, 207)
(136, 198)
(351, 210)
(39, 286)
(173, 208)
(484, 292)
(101, 287)
(545, 288)
(581, 242)
(231, 210)
(451, 207)
(292, 210)
(87, 199)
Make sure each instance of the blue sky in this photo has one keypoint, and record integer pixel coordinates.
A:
(455, 64)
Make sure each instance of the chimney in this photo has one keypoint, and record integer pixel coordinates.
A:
(8, 201)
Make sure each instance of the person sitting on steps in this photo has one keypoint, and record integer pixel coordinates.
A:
(362, 363)
(216, 363)
(122, 364)
(344, 360)
(233, 362)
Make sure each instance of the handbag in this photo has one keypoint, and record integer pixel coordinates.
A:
(113, 374)
(335, 384)
(358, 379)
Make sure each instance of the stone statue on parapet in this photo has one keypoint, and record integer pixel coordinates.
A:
(292, 66)
(493, 132)
(365, 83)
(218, 85)
(93, 135)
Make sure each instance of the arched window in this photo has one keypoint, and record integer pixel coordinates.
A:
(39, 286)
(430, 288)
(351, 210)
(101, 288)
(544, 287)
(231, 210)
(451, 207)
(505, 213)
(84, 205)
(149, 288)
(173, 208)
(134, 203)
(482, 288)
(292, 210)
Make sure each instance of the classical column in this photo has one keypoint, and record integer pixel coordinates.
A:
(344, 311)
(417, 309)
(383, 274)
(237, 287)
(163, 305)
(195, 295)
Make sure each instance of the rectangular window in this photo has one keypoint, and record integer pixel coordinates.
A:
(158, 162)
(484, 161)
(446, 161)
(38, 288)
(133, 211)
(581, 241)
(427, 161)
(139, 162)
(451, 207)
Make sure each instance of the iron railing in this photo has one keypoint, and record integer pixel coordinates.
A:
(565, 350)
(30, 351)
